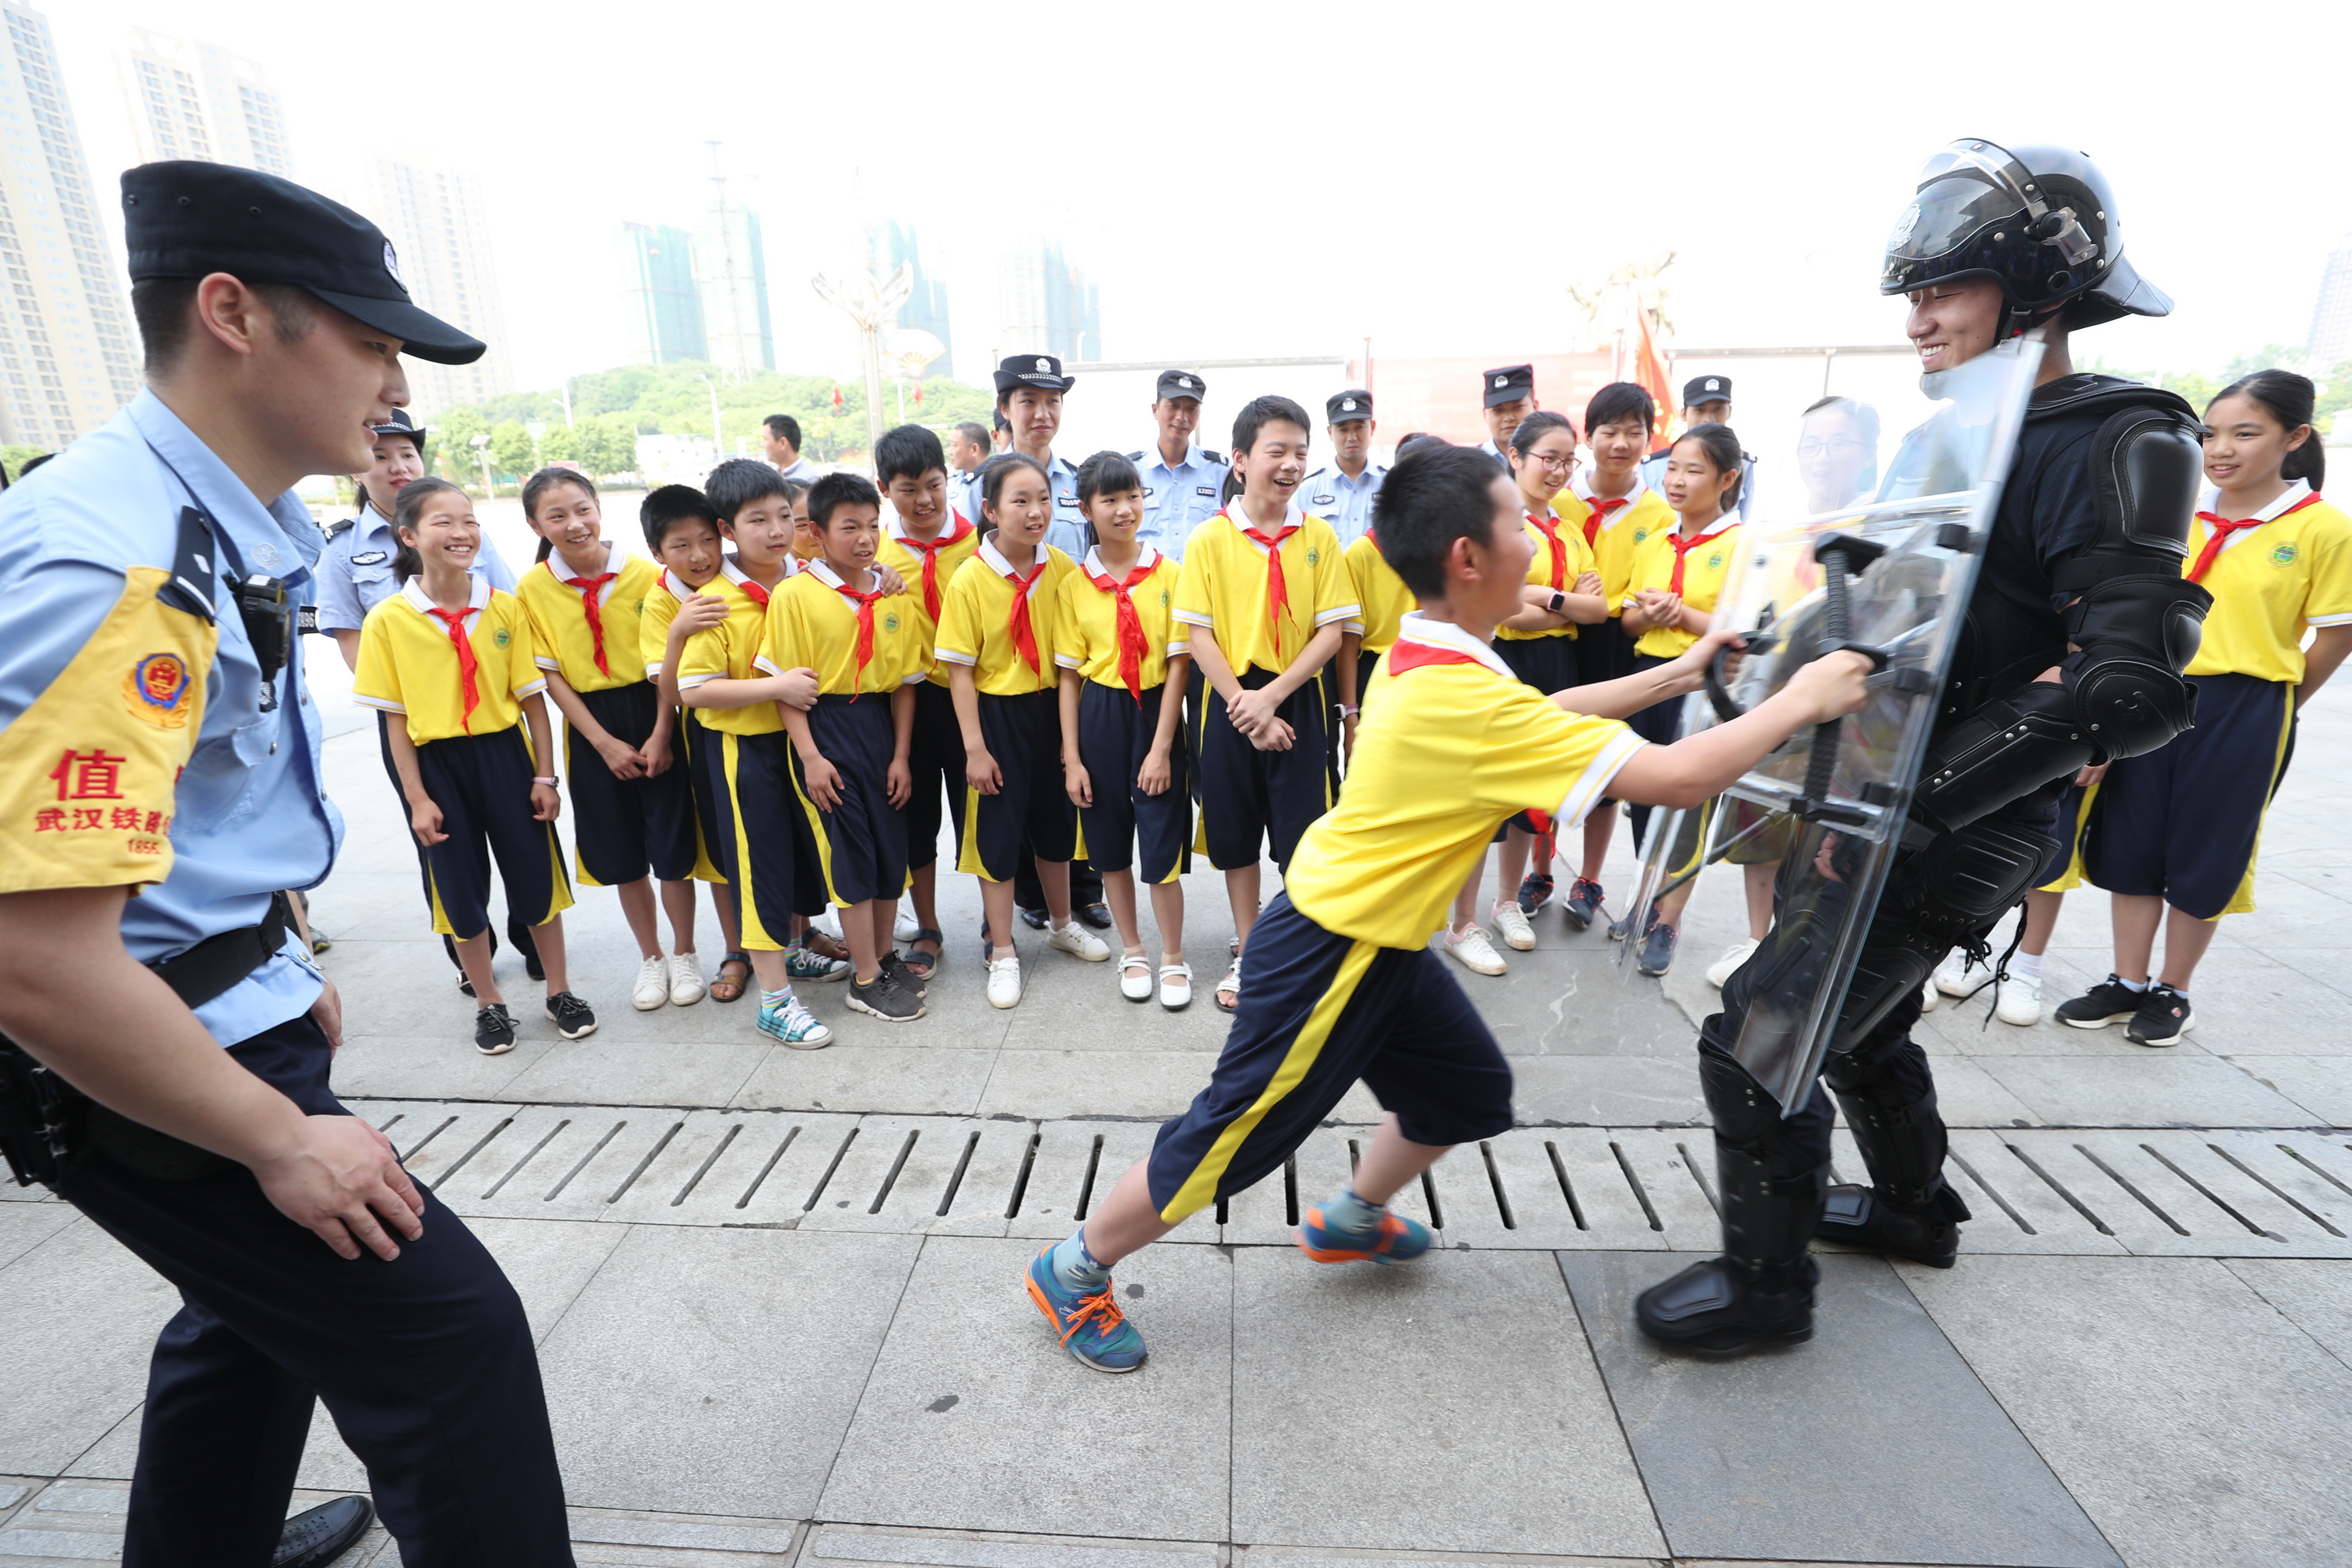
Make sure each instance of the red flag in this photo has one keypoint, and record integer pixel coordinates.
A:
(918, 395)
(1649, 369)
(836, 397)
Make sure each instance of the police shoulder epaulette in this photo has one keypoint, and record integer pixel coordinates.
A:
(1136, 456)
(341, 527)
(190, 587)
(1216, 458)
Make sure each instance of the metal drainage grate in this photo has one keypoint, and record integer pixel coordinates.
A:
(2183, 1192)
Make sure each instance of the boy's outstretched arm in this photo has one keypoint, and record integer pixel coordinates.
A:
(1696, 768)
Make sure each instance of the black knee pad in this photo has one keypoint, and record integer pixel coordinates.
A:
(1748, 1120)
(1889, 1100)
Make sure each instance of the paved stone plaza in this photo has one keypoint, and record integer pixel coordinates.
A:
(778, 1301)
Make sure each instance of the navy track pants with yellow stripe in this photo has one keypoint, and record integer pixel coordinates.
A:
(1318, 1012)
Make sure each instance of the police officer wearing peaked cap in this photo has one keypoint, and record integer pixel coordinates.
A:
(1509, 397)
(169, 1070)
(1029, 389)
(1706, 400)
(1183, 482)
(1342, 491)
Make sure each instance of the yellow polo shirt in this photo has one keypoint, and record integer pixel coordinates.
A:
(961, 543)
(668, 592)
(731, 651)
(2272, 584)
(408, 664)
(1384, 865)
(1381, 597)
(1224, 588)
(811, 624)
(1577, 557)
(1704, 569)
(1614, 544)
(1085, 621)
(559, 620)
(976, 621)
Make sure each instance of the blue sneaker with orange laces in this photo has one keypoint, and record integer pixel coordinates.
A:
(1088, 1324)
(1395, 1240)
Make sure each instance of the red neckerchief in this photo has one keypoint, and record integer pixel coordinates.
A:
(589, 586)
(1683, 546)
(1016, 620)
(1278, 593)
(1600, 514)
(2222, 529)
(954, 534)
(1405, 655)
(865, 603)
(1550, 531)
(456, 620)
(1132, 647)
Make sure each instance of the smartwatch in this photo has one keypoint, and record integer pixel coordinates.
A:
(1559, 604)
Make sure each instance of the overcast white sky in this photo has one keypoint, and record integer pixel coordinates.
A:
(1256, 180)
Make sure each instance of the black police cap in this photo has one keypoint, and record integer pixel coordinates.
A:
(1706, 389)
(1180, 383)
(1042, 372)
(1341, 407)
(187, 219)
(1509, 383)
(401, 425)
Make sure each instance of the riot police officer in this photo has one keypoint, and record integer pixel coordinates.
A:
(2075, 637)
(1183, 482)
(156, 738)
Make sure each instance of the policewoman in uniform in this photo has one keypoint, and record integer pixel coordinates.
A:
(1509, 397)
(1342, 491)
(354, 576)
(1183, 482)
(169, 1071)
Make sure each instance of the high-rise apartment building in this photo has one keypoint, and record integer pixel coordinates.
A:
(731, 272)
(2331, 319)
(193, 100)
(68, 359)
(888, 243)
(1047, 306)
(440, 231)
(661, 306)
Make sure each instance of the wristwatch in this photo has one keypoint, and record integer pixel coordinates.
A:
(1559, 604)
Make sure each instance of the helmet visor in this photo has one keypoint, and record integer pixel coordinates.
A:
(1947, 210)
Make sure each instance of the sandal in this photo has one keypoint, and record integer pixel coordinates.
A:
(918, 963)
(1175, 987)
(726, 989)
(1230, 986)
(1135, 977)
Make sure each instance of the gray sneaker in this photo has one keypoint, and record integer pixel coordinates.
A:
(882, 997)
(1657, 949)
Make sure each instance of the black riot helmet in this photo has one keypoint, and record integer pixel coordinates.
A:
(2039, 221)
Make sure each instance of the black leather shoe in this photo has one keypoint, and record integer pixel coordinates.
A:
(1035, 919)
(1718, 1309)
(1859, 1216)
(316, 1536)
(1096, 914)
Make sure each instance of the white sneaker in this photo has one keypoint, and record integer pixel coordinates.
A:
(904, 928)
(829, 923)
(652, 989)
(1929, 996)
(1004, 981)
(685, 986)
(2018, 1000)
(1078, 942)
(1511, 921)
(1959, 978)
(1477, 954)
(1739, 953)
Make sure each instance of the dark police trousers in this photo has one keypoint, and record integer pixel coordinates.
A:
(425, 1364)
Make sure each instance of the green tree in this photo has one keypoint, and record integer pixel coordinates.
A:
(608, 445)
(16, 457)
(510, 449)
(452, 444)
(561, 444)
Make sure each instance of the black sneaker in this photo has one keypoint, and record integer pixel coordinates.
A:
(2109, 1001)
(900, 975)
(882, 997)
(1583, 905)
(573, 1019)
(1657, 949)
(1535, 892)
(2162, 1018)
(494, 1029)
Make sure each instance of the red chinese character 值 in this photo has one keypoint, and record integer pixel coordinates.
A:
(92, 775)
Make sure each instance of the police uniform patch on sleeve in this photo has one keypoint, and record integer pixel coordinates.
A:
(158, 691)
(370, 558)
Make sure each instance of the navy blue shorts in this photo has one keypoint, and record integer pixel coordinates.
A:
(1252, 800)
(759, 836)
(935, 754)
(1115, 734)
(482, 784)
(861, 843)
(706, 782)
(2181, 822)
(623, 829)
(1023, 734)
(1603, 652)
(1318, 1012)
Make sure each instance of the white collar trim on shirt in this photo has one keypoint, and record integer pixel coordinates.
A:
(821, 570)
(1412, 627)
(1237, 514)
(2292, 496)
(1147, 558)
(739, 578)
(1583, 488)
(413, 592)
(948, 529)
(557, 565)
(1004, 568)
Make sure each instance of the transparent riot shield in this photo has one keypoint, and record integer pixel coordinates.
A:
(1889, 575)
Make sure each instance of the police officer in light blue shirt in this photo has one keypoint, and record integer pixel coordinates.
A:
(1511, 397)
(1029, 389)
(1342, 491)
(167, 1055)
(1183, 482)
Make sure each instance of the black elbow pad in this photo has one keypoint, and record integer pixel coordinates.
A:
(2002, 752)
(2136, 634)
